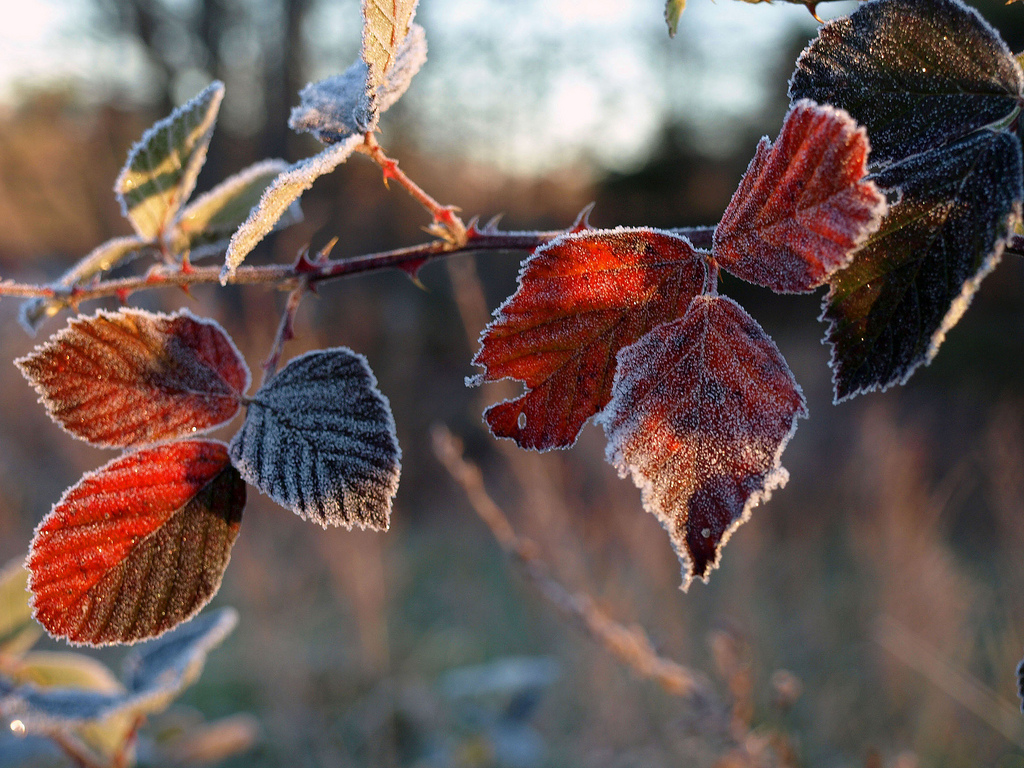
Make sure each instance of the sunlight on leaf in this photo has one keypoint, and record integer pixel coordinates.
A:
(335, 108)
(803, 206)
(131, 377)
(673, 10)
(581, 298)
(162, 167)
(138, 546)
(319, 439)
(701, 411)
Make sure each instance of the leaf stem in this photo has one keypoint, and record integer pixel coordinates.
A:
(447, 223)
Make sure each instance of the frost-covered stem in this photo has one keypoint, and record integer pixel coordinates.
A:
(288, 275)
(629, 644)
(452, 227)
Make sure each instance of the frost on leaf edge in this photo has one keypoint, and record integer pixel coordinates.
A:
(93, 473)
(775, 478)
(55, 338)
(394, 481)
(479, 379)
(17, 701)
(762, 152)
(217, 89)
(304, 172)
(957, 308)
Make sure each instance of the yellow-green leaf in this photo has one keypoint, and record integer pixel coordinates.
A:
(385, 26)
(162, 167)
(673, 10)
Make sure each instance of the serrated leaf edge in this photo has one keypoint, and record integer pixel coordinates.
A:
(480, 379)
(57, 337)
(86, 476)
(775, 479)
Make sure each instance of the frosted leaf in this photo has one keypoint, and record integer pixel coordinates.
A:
(319, 439)
(277, 199)
(138, 546)
(154, 675)
(386, 24)
(916, 73)
(206, 225)
(890, 310)
(701, 411)
(103, 258)
(162, 167)
(581, 298)
(335, 108)
(803, 206)
(131, 377)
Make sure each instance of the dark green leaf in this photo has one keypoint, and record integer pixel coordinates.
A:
(916, 73)
(890, 310)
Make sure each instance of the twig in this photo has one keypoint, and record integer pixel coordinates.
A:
(451, 226)
(630, 645)
(967, 691)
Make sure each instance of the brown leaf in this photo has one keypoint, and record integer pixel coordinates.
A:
(701, 411)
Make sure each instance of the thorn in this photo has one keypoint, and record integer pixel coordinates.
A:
(325, 252)
(186, 265)
(123, 294)
(412, 269)
(813, 8)
(471, 228)
(446, 215)
(492, 224)
(389, 170)
(186, 290)
(582, 223)
(302, 263)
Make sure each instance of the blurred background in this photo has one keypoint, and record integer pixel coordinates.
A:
(872, 614)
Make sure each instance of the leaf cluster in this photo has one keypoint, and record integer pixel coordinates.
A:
(895, 180)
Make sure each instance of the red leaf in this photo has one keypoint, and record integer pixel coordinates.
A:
(581, 298)
(701, 411)
(138, 546)
(130, 377)
(803, 206)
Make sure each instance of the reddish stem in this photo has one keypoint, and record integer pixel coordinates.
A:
(451, 226)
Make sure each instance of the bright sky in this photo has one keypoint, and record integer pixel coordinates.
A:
(616, 74)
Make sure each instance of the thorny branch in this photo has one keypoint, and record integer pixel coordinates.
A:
(629, 644)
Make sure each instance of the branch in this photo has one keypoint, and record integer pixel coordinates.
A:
(288, 276)
(629, 644)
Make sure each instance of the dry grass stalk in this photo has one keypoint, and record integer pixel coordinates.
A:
(630, 645)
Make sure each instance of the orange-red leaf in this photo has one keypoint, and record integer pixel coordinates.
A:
(138, 546)
(131, 377)
(803, 206)
(701, 411)
(581, 298)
